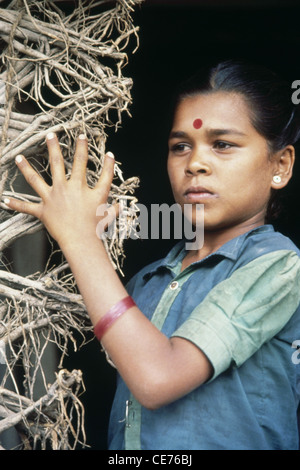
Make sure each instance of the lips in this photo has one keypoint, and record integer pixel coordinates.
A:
(196, 193)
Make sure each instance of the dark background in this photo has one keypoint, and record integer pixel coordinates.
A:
(176, 38)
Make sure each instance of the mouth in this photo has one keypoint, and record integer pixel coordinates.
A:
(198, 193)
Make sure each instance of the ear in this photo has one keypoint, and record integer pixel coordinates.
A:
(283, 167)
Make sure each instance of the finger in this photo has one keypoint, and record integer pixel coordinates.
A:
(32, 177)
(56, 159)
(25, 207)
(104, 183)
(80, 159)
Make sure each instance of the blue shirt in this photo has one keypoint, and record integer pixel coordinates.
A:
(240, 306)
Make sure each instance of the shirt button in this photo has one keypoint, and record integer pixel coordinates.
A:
(174, 285)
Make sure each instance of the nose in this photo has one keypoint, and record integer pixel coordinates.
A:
(197, 163)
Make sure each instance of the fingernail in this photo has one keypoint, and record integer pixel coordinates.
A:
(82, 137)
(6, 201)
(19, 158)
(110, 155)
(50, 136)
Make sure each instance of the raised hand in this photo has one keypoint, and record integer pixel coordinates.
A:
(68, 207)
(153, 366)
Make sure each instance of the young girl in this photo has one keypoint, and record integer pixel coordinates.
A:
(204, 355)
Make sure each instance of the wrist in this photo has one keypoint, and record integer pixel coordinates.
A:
(94, 274)
(78, 240)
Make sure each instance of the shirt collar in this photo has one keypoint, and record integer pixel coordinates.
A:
(230, 250)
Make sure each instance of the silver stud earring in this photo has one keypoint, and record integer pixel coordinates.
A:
(277, 179)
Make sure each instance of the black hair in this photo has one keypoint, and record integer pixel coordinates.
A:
(269, 98)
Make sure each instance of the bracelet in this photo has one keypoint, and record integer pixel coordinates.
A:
(112, 315)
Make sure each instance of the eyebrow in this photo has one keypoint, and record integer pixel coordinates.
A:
(209, 132)
(217, 132)
(177, 135)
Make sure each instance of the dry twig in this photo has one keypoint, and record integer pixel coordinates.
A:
(61, 72)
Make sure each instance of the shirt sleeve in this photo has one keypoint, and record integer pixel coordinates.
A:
(244, 311)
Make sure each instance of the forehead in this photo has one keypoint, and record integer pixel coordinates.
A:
(215, 110)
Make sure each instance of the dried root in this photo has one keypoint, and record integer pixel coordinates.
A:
(61, 71)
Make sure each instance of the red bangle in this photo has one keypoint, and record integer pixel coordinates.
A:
(112, 315)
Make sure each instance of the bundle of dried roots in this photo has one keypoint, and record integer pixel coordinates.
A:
(61, 71)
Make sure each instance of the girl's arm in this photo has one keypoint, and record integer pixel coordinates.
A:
(156, 369)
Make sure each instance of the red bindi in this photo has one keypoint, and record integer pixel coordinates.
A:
(197, 123)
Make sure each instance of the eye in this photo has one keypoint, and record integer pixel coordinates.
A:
(222, 145)
(179, 148)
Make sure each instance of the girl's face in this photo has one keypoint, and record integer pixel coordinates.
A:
(218, 159)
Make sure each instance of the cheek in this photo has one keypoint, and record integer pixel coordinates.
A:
(170, 168)
(174, 173)
(255, 184)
